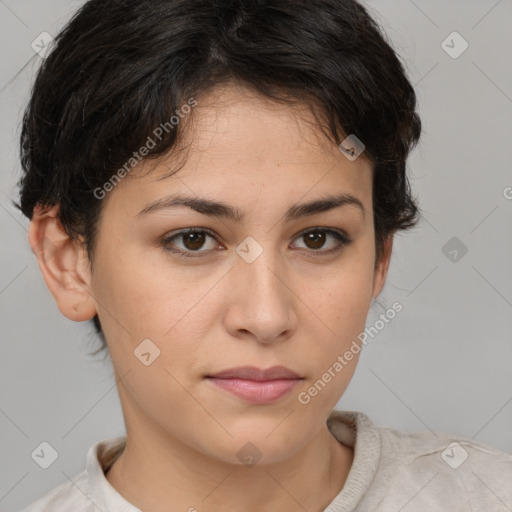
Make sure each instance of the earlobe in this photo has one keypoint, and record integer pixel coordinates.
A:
(381, 269)
(63, 264)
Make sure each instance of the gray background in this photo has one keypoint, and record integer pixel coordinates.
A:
(444, 363)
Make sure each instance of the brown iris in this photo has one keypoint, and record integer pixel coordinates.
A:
(316, 237)
(193, 241)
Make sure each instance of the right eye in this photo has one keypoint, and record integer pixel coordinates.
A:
(192, 240)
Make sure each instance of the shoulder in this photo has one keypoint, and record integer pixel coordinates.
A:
(70, 495)
(418, 471)
(434, 468)
(453, 450)
(89, 490)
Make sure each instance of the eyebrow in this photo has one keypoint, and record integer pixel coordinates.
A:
(222, 210)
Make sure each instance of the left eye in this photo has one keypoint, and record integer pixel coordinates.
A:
(194, 239)
(317, 237)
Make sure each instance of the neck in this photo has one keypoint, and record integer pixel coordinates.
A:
(309, 480)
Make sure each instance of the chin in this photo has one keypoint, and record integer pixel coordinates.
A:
(258, 444)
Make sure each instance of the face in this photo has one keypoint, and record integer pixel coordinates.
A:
(270, 284)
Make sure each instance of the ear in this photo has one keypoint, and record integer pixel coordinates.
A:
(381, 267)
(64, 265)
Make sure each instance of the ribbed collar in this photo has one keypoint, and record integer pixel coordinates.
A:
(355, 429)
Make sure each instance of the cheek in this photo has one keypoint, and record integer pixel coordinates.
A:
(341, 302)
(336, 348)
(131, 290)
(155, 301)
(343, 292)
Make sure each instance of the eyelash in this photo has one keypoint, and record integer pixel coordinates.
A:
(342, 240)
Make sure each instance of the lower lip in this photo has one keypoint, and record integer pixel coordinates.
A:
(257, 392)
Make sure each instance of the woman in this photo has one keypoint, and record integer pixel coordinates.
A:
(217, 185)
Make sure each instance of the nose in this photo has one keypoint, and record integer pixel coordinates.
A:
(262, 304)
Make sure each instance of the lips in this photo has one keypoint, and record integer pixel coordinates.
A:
(253, 373)
(254, 385)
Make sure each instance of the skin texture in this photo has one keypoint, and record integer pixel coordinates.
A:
(292, 306)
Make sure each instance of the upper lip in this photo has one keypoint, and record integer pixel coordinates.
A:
(257, 374)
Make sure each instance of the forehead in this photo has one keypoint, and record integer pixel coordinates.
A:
(232, 116)
(235, 141)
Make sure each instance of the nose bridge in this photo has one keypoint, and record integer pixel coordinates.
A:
(262, 299)
(260, 268)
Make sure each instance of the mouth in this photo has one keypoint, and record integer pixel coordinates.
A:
(255, 385)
